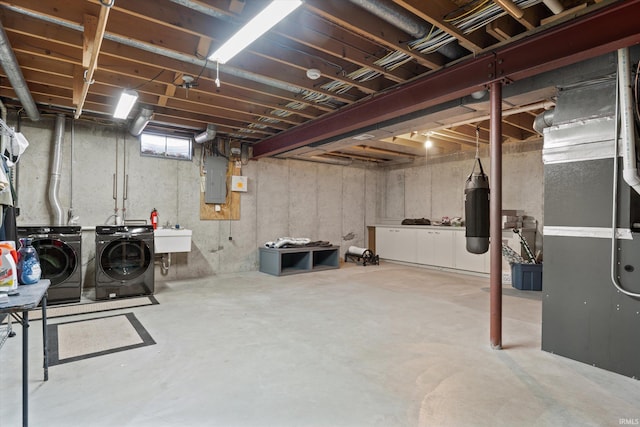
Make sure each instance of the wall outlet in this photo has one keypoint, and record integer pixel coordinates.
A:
(506, 277)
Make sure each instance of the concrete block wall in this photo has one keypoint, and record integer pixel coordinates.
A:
(284, 198)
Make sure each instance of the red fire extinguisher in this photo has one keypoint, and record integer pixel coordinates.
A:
(154, 218)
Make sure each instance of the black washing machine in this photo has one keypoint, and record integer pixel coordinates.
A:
(59, 248)
(124, 261)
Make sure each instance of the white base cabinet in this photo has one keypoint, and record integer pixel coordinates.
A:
(428, 245)
(398, 244)
(434, 247)
(464, 260)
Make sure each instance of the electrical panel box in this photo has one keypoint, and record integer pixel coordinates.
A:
(216, 180)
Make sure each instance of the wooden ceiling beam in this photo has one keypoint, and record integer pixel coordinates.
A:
(94, 29)
(33, 28)
(504, 28)
(358, 21)
(325, 36)
(176, 37)
(523, 121)
(432, 11)
(113, 74)
(291, 59)
(445, 135)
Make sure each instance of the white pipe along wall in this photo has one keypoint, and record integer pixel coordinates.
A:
(56, 166)
(630, 170)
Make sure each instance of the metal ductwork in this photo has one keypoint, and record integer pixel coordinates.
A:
(207, 135)
(554, 6)
(56, 167)
(543, 120)
(140, 122)
(399, 18)
(14, 74)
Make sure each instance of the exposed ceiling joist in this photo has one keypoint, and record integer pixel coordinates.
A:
(375, 61)
(94, 29)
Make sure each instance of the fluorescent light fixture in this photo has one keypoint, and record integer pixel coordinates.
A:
(260, 24)
(127, 100)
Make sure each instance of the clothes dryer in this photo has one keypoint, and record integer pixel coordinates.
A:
(124, 261)
(59, 248)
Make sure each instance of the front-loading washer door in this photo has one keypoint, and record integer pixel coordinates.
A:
(125, 259)
(58, 260)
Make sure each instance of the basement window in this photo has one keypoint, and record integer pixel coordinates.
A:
(165, 146)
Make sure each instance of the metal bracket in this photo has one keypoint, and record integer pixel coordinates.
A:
(85, 78)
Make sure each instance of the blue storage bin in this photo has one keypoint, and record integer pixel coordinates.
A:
(526, 277)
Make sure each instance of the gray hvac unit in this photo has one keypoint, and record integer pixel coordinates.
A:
(584, 316)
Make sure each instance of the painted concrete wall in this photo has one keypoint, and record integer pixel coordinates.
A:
(434, 188)
(285, 197)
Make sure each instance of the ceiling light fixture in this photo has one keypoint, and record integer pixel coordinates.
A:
(127, 100)
(313, 73)
(260, 24)
(428, 143)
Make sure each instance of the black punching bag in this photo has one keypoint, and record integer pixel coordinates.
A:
(476, 211)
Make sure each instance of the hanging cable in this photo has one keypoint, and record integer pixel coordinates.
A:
(148, 81)
(477, 142)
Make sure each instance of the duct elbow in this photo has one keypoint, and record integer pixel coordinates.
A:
(207, 135)
(631, 177)
(543, 120)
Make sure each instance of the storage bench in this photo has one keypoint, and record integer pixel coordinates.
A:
(283, 261)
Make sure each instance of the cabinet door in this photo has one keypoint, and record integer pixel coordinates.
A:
(406, 245)
(434, 247)
(396, 244)
(442, 248)
(467, 261)
(424, 247)
(385, 239)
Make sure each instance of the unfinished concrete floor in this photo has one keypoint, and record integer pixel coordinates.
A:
(384, 345)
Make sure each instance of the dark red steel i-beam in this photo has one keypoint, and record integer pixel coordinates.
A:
(609, 27)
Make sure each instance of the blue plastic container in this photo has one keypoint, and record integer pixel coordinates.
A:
(526, 277)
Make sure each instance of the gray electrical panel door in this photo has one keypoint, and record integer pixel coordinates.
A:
(215, 190)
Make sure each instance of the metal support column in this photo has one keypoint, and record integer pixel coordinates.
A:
(495, 215)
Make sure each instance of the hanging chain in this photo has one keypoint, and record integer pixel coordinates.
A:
(477, 142)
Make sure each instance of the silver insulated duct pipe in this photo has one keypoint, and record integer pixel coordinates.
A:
(207, 135)
(56, 166)
(543, 120)
(14, 74)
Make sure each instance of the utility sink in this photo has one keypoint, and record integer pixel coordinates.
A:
(167, 240)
